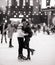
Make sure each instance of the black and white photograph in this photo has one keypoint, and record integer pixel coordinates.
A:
(27, 32)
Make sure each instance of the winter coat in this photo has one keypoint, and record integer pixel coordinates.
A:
(10, 31)
(27, 30)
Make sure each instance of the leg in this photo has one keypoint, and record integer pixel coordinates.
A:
(1, 38)
(10, 43)
(31, 50)
(28, 55)
(5, 38)
(20, 49)
(20, 40)
(27, 45)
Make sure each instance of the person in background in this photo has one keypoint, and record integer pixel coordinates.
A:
(44, 26)
(11, 30)
(38, 27)
(3, 26)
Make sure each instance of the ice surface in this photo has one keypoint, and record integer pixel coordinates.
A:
(43, 44)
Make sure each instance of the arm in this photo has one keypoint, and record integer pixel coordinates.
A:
(24, 34)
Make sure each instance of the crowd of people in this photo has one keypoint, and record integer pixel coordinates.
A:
(24, 34)
(24, 30)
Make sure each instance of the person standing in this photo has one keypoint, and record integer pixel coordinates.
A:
(20, 38)
(10, 34)
(44, 25)
(20, 41)
(26, 28)
(1, 30)
(11, 30)
(3, 26)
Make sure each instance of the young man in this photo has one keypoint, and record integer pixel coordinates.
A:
(26, 28)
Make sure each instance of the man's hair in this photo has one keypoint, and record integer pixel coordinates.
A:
(23, 20)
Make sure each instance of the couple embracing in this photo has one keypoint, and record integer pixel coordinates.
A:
(24, 35)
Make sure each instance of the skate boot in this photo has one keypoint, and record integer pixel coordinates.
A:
(32, 51)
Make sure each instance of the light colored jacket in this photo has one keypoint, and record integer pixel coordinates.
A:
(10, 31)
(20, 33)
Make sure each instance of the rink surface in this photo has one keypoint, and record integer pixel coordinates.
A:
(43, 44)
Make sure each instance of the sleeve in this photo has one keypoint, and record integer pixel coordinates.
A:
(22, 33)
(30, 32)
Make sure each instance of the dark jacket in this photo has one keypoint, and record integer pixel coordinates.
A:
(27, 29)
(1, 28)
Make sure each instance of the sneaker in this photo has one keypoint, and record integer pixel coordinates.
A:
(23, 57)
(11, 46)
(1, 41)
(28, 58)
(19, 57)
